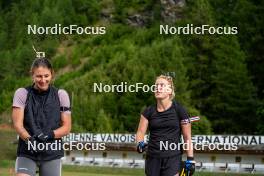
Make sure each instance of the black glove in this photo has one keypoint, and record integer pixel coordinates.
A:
(141, 146)
(41, 137)
(32, 144)
(189, 166)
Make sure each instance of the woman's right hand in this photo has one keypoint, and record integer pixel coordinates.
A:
(17, 118)
(142, 128)
(141, 146)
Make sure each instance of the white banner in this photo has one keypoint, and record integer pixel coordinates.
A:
(229, 139)
(130, 138)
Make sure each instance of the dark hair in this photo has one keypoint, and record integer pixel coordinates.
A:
(41, 62)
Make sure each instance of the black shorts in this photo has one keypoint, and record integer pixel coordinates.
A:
(168, 166)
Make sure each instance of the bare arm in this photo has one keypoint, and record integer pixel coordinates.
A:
(142, 128)
(187, 136)
(65, 125)
(18, 118)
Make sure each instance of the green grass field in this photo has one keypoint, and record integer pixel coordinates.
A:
(7, 169)
(100, 171)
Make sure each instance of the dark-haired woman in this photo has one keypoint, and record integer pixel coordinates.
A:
(166, 120)
(41, 115)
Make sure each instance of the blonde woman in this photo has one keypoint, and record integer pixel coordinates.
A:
(166, 121)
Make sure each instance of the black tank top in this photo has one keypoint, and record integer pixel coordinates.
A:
(42, 112)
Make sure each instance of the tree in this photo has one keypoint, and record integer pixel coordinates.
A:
(232, 95)
(103, 123)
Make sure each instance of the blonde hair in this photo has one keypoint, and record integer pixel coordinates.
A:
(170, 80)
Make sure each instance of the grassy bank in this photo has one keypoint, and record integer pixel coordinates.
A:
(102, 171)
